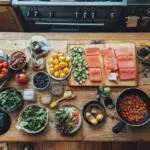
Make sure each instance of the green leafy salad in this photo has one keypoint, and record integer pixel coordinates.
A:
(10, 99)
(33, 118)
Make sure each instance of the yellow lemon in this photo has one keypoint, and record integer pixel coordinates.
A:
(60, 71)
(56, 74)
(61, 58)
(61, 64)
(65, 70)
(69, 64)
(55, 62)
(51, 71)
(65, 64)
(51, 66)
(56, 67)
(68, 59)
(54, 55)
(50, 61)
(62, 75)
(60, 54)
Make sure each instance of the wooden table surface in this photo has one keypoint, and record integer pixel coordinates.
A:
(10, 42)
(5, 2)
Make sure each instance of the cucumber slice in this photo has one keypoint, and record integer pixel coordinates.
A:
(80, 49)
(74, 49)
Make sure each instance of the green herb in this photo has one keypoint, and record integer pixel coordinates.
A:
(33, 118)
(10, 99)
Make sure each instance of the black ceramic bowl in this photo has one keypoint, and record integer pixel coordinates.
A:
(89, 106)
(41, 80)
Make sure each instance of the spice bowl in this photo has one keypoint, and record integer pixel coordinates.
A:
(40, 80)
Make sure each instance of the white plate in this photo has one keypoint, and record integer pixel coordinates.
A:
(47, 68)
(70, 108)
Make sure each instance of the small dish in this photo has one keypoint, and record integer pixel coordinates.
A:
(57, 89)
(103, 92)
(45, 98)
(40, 80)
(94, 108)
(71, 113)
(17, 60)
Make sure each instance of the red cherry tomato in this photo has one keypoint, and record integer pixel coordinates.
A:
(5, 65)
(1, 61)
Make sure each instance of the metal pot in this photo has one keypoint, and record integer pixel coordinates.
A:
(144, 97)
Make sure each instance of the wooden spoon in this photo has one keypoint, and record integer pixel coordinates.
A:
(55, 103)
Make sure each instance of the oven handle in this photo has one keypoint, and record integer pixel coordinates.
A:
(69, 24)
(75, 29)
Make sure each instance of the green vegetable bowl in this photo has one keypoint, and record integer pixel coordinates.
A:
(10, 99)
(33, 119)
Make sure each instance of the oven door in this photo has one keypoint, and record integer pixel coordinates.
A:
(41, 26)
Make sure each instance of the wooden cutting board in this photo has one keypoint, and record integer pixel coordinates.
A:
(105, 81)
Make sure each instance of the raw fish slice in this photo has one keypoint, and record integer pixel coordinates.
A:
(93, 61)
(108, 53)
(95, 74)
(127, 74)
(126, 64)
(123, 52)
(113, 76)
(125, 57)
(111, 60)
(92, 51)
(112, 66)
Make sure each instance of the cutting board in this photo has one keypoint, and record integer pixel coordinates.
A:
(105, 81)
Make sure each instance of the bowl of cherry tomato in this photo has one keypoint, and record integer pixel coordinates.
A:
(4, 68)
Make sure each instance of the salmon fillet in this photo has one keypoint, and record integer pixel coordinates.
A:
(127, 74)
(125, 57)
(126, 64)
(95, 74)
(93, 61)
(112, 66)
(108, 53)
(90, 51)
(123, 52)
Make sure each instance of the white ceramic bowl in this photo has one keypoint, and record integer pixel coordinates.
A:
(26, 130)
(47, 68)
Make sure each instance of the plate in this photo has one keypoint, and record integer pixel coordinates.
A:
(47, 67)
(70, 109)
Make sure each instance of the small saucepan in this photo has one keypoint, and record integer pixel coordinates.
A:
(144, 97)
(94, 108)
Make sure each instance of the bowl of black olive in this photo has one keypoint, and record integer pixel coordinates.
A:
(41, 80)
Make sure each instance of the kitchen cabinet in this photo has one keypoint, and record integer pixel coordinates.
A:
(8, 20)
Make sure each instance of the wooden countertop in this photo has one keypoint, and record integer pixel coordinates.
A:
(4, 2)
(10, 42)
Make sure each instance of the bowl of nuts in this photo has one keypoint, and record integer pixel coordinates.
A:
(17, 60)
